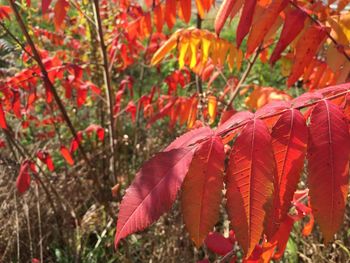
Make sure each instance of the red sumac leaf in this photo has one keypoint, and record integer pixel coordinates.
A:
(293, 24)
(153, 191)
(186, 9)
(305, 49)
(23, 179)
(328, 157)
(45, 5)
(250, 179)
(5, 12)
(201, 190)
(289, 142)
(60, 11)
(246, 20)
(100, 132)
(218, 244)
(189, 138)
(3, 124)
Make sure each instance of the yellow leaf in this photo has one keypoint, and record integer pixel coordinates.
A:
(206, 43)
(194, 42)
(183, 47)
(212, 105)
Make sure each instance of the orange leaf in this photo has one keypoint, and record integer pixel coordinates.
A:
(305, 50)
(328, 156)
(250, 178)
(66, 155)
(60, 11)
(201, 192)
(164, 49)
(262, 26)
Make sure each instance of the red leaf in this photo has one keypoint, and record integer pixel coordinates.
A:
(305, 50)
(238, 118)
(225, 10)
(163, 112)
(262, 25)
(3, 124)
(170, 11)
(246, 20)
(289, 142)
(186, 10)
(218, 243)
(131, 108)
(293, 24)
(328, 156)
(45, 5)
(153, 191)
(201, 190)
(46, 158)
(5, 12)
(23, 179)
(250, 178)
(100, 132)
(189, 138)
(60, 11)
(158, 18)
(66, 155)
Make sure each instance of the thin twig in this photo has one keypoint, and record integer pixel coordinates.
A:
(243, 79)
(109, 92)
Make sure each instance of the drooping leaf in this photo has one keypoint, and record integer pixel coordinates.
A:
(305, 50)
(60, 11)
(153, 191)
(289, 142)
(328, 165)
(212, 108)
(224, 12)
(164, 49)
(3, 123)
(293, 25)
(100, 132)
(246, 20)
(67, 155)
(262, 26)
(186, 9)
(201, 190)
(250, 177)
(218, 243)
(45, 157)
(45, 5)
(23, 179)
(5, 12)
(170, 13)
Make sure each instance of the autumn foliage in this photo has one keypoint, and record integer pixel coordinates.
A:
(270, 156)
